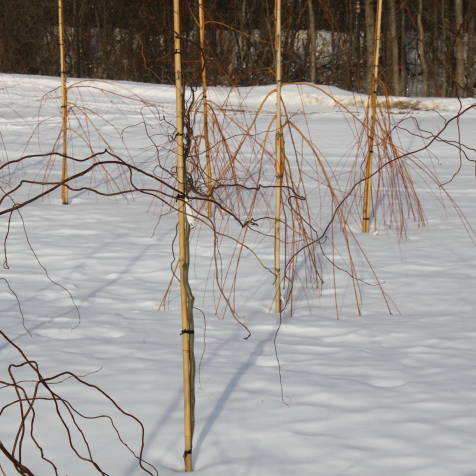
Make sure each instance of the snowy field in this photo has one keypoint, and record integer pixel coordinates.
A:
(380, 393)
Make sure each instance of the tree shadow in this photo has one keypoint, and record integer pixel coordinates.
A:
(220, 404)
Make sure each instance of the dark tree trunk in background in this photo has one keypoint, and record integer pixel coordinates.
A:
(460, 82)
(369, 38)
(356, 46)
(447, 55)
(422, 50)
(471, 59)
(394, 49)
(403, 58)
(312, 42)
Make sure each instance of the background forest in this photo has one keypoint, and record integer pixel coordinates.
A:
(429, 46)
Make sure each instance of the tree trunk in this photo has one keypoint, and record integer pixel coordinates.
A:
(64, 103)
(76, 40)
(421, 50)
(394, 49)
(312, 42)
(186, 296)
(403, 59)
(471, 61)
(436, 53)
(279, 162)
(356, 46)
(459, 49)
(446, 57)
(373, 119)
(369, 38)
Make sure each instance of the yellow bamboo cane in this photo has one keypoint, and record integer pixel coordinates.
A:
(64, 103)
(183, 229)
(279, 163)
(208, 164)
(373, 121)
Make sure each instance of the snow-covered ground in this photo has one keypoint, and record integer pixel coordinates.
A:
(374, 394)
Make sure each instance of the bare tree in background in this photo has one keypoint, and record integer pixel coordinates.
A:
(312, 42)
(460, 81)
(394, 50)
(369, 38)
(428, 46)
(471, 62)
(422, 50)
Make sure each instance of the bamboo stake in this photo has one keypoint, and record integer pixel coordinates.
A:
(64, 103)
(279, 163)
(208, 164)
(373, 120)
(183, 229)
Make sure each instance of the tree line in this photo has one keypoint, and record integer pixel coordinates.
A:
(428, 46)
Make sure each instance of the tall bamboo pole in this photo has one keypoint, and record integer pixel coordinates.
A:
(373, 120)
(279, 162)
(64, 103)
(208, 165)
(183, 230)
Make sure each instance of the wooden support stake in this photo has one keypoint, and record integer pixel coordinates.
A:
(183, 230)
(279, 163)
(373, 121)
(208, 164)
(64, 103)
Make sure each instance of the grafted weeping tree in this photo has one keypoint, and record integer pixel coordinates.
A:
(186, 296)
(206, 135)
(279, 165)
(372, 114)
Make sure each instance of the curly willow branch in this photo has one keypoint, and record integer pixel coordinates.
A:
(66, 413)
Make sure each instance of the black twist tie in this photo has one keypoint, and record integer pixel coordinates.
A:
(187, 331)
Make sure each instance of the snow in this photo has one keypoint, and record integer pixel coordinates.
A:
(359, 395)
